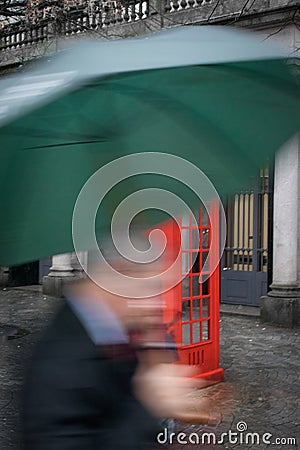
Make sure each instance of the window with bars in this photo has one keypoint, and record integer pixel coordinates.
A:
(195, 286)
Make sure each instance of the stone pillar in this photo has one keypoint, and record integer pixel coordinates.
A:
(61, 273)
(282, 304)
(79, 270)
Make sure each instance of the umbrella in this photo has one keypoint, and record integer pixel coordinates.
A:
(217, 97)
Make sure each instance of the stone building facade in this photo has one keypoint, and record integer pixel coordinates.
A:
(276, 20)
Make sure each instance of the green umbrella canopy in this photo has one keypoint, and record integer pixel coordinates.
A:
(216, 96)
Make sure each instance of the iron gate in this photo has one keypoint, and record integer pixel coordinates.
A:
(246, 261)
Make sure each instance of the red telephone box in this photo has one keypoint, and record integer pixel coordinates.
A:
(192, 312)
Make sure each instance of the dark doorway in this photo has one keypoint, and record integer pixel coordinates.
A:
(44, 268)
(24, 274)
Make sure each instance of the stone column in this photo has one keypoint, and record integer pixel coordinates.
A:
(79, 270)
(282, 303)
(61, 273)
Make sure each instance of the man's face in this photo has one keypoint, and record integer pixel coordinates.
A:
(140, 308)
(141, 304)
(144, 313)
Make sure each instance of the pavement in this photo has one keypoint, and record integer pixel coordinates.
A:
(259, 399)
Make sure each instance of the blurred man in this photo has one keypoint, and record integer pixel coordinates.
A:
(95, 381)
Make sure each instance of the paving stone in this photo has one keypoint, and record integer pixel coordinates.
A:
(261, 362)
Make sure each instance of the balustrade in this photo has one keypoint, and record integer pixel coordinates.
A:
(83, 16)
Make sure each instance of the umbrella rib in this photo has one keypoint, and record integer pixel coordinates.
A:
(148, 97)
(265, 79)
(190, 124)
(65, 144)
(175, 108)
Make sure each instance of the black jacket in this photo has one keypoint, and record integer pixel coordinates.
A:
(78, 395)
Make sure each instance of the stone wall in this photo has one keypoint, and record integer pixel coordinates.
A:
(19, 47)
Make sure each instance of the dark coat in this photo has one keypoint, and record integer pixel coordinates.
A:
(78, 395)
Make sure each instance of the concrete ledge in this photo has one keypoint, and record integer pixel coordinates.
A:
(54, 286)
(280, 311)
(241, 310)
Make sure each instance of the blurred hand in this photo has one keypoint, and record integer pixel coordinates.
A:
(164, 390)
